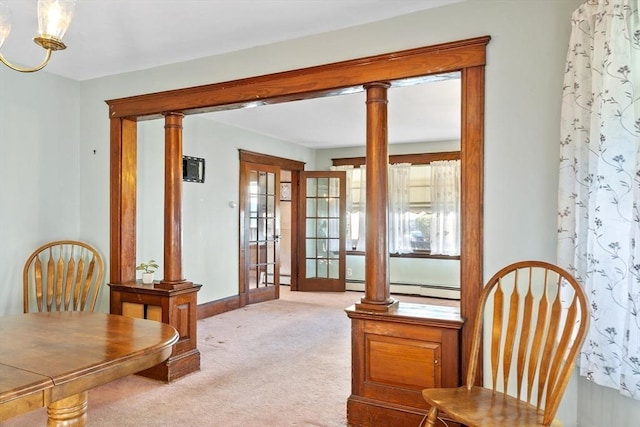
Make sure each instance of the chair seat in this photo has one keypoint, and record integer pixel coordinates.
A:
(481, 407)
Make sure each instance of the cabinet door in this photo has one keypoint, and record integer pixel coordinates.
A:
(402, 362)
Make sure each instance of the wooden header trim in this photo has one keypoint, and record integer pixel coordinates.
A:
(306, 83)
(414, 159)
(265, 159)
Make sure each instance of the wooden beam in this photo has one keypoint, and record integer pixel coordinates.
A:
(323, 80)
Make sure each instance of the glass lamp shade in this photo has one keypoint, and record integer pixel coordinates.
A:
(5, 22)
(54, 17)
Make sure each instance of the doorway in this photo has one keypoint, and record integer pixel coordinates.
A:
(265, 245)
(291, 225)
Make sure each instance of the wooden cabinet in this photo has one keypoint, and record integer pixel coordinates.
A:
(397, 354)
(176, 307)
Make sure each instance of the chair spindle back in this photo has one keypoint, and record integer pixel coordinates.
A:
(537, 315)
(64, 275)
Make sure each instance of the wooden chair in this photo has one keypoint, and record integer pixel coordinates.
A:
(536, 315)
(65, 275)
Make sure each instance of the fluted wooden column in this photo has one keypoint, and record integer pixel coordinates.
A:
(377, 294)
(173, 203)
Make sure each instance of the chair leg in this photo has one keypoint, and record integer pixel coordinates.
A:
(432, 417)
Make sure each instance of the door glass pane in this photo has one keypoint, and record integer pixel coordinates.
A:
(311, 207)
(262, 205)
(262, 275)
(271, 228)
(311, 187)
(270, 275)
(260, 229)
(322, 269)
(323, 187)
(262, 253)
(334, 228)
(323, 225)
(311, 248)
(321, 248)
(271, 252)
(311, 268)
(253, 229)
(271, 180)
(334, 272)
(271, 206)
(334, 207)
(262, 182)
(253, 273)
(323, 207)
(334, 248)
(311, 228)
(334, 187)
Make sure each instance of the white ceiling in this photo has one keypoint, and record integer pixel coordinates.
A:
(425, 112)
(109, 37)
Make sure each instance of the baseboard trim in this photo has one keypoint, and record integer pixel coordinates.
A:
(432, 291)
(220, 306)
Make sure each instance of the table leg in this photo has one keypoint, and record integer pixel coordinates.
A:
(69, 412)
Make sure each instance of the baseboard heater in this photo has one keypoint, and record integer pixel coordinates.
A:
(425, 290)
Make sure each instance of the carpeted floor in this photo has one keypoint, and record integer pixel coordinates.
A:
(279, 363)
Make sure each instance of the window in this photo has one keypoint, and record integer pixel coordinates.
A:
(410, 222)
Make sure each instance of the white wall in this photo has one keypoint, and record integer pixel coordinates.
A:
(39, 172)
(210, 226)
(523, 86)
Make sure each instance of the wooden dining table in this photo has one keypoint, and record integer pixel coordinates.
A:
(54, 359)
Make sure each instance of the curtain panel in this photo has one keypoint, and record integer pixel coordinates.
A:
(445, 207)
(599, 185)
(399, 209)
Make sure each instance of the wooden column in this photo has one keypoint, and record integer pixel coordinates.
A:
(377, 294)
(173, 203)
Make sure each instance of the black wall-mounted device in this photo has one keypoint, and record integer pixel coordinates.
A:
(192, 169)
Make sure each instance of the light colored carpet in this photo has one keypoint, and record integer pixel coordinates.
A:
(278, 363)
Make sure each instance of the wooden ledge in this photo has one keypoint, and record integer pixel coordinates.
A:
(405, 312)
(385, 307)
(173, 286)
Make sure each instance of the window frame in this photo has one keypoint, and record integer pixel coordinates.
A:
(413, 159)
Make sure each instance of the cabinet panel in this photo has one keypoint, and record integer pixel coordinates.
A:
(134, 310)
(154, 313)
(402, 362)
(177, 307)
(397, 354)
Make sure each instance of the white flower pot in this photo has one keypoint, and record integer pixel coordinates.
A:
(147, 278)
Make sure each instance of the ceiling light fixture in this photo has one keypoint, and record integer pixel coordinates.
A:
(54, 17)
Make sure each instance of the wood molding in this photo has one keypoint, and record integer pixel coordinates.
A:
(312, 82)
(414, 159)
(472, 197)
(123, 182)
(220, 306)
(466, 56)
(265, 159)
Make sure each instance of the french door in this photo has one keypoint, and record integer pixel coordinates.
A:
(260, 225)
(321, 236)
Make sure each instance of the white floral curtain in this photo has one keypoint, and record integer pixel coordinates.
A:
(445, 207)
(348, 169)
(362, 217)
(399, 226)
(355, 226)
(599, 187)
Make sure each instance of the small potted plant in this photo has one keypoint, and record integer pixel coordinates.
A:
(147, 268)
